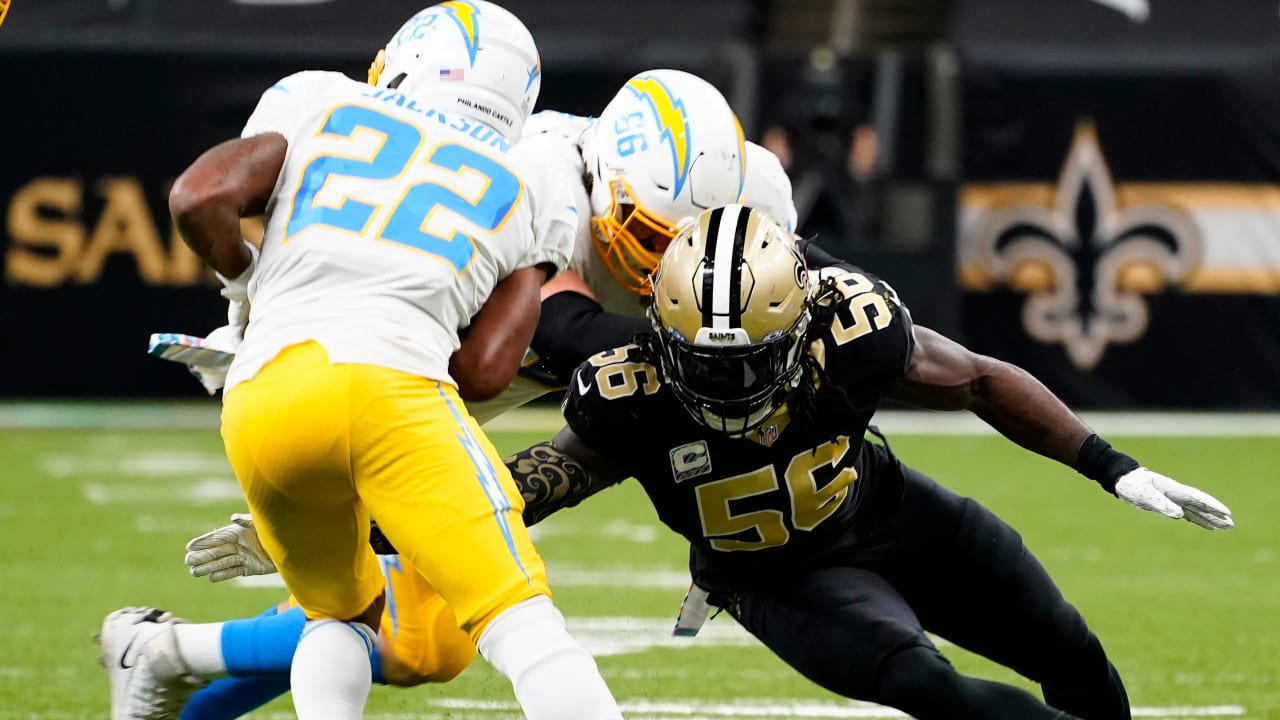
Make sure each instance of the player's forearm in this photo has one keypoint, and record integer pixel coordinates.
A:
(210, 225)
(229, 181)
(493, 346)
(1022, 409)
(574, 327)
(551, 479)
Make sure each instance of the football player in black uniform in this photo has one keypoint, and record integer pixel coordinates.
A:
(752, 398)
(753, 395)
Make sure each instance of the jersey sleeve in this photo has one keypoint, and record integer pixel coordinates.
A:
(554, 212)
(279, 108)
(600, 405)
(572, 328)
(868, 337)
(767, 186)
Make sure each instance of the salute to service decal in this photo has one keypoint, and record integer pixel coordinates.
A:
(692, 460)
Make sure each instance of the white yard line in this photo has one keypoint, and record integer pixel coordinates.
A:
(561, 575)
(545, 419)
(670, 710)
(208, 491)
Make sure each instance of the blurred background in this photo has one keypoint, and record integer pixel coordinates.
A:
(1087, 188)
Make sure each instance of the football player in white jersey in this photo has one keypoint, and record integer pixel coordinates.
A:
(667, 146)
(391, 213)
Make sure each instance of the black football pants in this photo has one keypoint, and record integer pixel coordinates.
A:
(945, 564)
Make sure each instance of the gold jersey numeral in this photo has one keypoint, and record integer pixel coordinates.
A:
(759, 529)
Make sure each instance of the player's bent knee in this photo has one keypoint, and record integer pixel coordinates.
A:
(443, 658)
(911, 673)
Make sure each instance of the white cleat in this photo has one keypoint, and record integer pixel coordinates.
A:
(149, 680)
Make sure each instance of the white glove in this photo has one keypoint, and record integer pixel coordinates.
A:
(225, 339)
(236, 290)
(1152, 491)
(229, 552)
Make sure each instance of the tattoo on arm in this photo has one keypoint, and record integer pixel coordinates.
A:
(551, 479)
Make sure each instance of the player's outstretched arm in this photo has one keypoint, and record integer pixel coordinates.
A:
(559, 474)
(493, 345)
(229, 181)
(944, 375)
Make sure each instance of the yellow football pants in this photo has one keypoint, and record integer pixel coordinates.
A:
(318, 447)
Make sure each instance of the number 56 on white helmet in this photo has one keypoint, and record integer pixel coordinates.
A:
(667, 147)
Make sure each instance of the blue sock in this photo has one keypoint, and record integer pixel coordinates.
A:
(257, 652)
(232, 697)
(262, 645)
(375, 663)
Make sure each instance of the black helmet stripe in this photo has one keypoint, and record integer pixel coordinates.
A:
(735, 277)
(708, 263)
(722, 268)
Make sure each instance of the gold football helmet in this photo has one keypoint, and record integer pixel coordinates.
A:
(730, 306)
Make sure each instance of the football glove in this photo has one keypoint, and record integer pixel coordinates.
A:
(229, 552)
(1152, 491)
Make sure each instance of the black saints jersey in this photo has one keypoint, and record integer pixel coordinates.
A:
(788, 492)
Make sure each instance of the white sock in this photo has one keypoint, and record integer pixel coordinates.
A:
(200, 645)
(553, 676)
(330, 676)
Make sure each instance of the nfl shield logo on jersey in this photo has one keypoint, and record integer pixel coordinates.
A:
(690, 460)
(768, 434)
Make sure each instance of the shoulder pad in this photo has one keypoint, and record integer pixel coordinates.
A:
(554, 122)
(283, 104)
(868, 329)
(604, 386)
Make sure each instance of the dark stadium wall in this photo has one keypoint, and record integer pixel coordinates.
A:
(1119, 219)
(90, 261)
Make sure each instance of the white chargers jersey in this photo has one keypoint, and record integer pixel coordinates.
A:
(389, 226)
(556, 139)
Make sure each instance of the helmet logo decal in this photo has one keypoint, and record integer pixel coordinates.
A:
(672, 119)
(742, 156)
(534, 73)
(465, 16)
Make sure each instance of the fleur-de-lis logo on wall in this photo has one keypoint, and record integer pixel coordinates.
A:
(1087, 241)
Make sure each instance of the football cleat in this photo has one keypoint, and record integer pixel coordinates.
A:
(149, 680)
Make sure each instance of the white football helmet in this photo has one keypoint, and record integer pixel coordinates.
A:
(468, 57)
(665, 148)
(767, 186)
